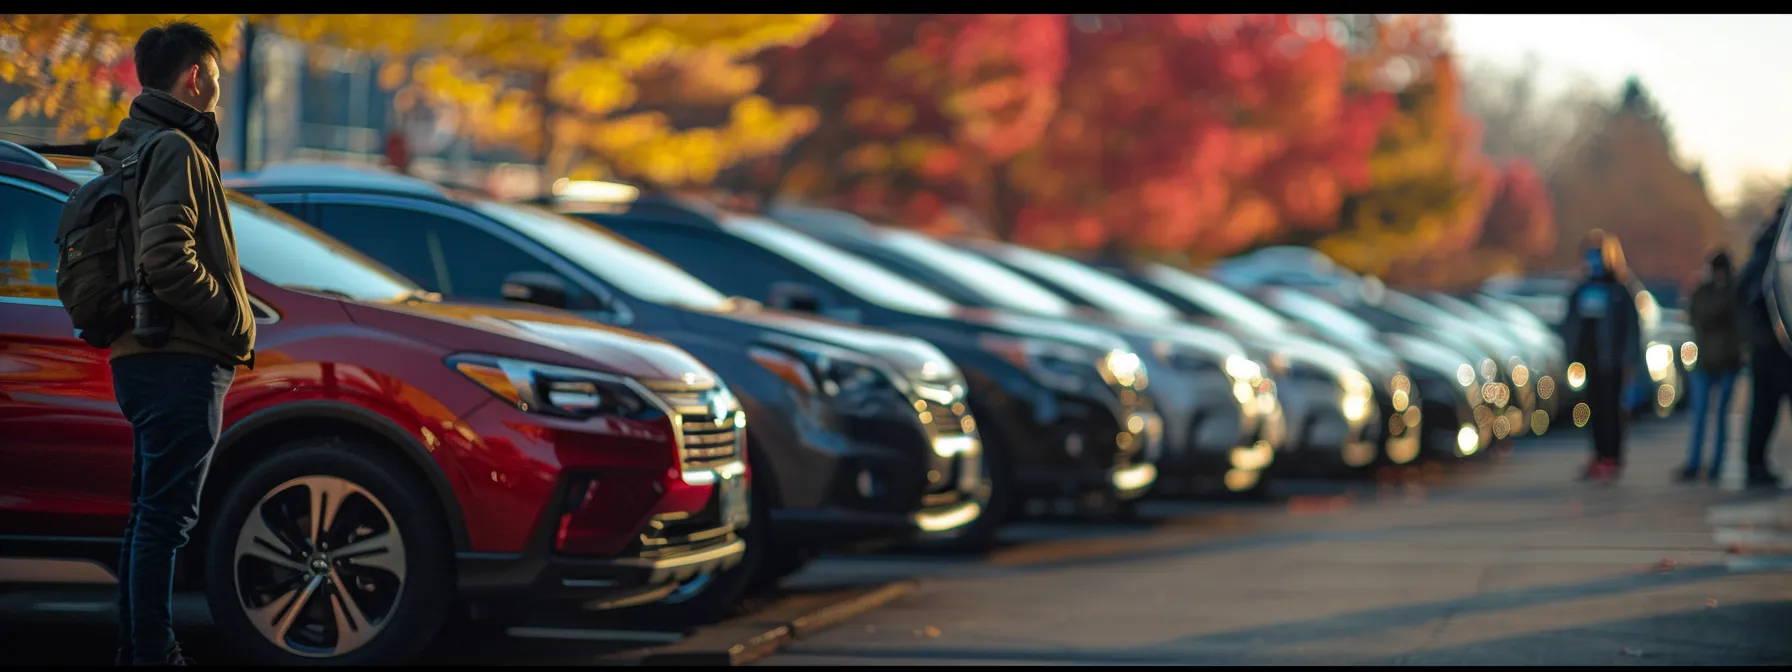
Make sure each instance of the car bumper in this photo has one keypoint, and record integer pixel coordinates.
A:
(673, 547)
(1072, 446)
(871, 482)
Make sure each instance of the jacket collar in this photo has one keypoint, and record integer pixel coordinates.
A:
(163, 110)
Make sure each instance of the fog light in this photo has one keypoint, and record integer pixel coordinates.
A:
(1355, 408)
(1468, 440)
(1240, 480)
(1254, 457)
(869, 487)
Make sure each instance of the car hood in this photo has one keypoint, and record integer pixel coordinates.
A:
(459, 326)
(914, 357)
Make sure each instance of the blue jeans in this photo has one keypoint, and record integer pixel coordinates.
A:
(1703, 384)
(175, 403)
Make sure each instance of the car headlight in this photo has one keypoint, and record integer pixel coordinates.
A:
(1577, 376)
(1689, 354)
(1240, 368)
(1062, 366)
(556, 390)
(853, 385)
(1359, 396)
(1125, 367)
(1659, 356)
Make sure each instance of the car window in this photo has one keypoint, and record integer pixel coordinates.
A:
(864, 279)
(438, 252)
(625, 265)
(1095, 287)
(287, 252)
(1215, 298)
(28, 238)
(715, 258)
(994, 284)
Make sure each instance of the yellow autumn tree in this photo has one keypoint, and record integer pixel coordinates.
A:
(1429, 184)
(76, 69)
(662, 98)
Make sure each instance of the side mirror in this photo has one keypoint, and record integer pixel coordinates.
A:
(544, 289)
(794, 296)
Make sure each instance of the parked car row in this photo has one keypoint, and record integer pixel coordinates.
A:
(665, 402)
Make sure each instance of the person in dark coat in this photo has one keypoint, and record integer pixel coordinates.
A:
(1717, 333)
(1770, 367)
(1603, 332)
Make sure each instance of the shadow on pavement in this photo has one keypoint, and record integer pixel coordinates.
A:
(1742, 634)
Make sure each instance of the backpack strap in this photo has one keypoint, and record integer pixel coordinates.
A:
(130, 182)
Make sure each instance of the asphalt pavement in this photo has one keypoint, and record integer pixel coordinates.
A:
(1505, 562)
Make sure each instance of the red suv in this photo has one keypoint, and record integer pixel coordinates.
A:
(387, 456)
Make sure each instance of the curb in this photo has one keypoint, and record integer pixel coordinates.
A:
(755, 636)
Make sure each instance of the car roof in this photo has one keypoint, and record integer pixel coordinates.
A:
(308, 176)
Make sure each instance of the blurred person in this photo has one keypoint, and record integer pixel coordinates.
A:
(191, 329)
(1717, 329)
(1603, 332)
(1770, 368)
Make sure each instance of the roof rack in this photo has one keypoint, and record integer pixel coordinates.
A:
(13, 152)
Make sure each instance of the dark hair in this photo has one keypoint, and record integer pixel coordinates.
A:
(166, 51)
(1720, 260)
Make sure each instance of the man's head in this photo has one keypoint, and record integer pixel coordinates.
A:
(1593, 254)
(1718, 265)
(180, 59)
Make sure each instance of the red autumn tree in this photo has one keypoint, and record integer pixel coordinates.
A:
(916, 109)
(1199, 134)
(1522, 217)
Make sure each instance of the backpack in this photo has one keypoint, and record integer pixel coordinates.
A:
(96, 243)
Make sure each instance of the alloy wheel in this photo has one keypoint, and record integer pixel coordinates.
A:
(319, 566)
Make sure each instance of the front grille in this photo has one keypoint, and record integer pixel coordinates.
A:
(942, 421)
(707, 438)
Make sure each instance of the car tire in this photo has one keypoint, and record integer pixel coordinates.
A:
(403, 581)
(719, 595)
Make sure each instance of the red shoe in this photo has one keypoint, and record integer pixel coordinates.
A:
(1601, 471)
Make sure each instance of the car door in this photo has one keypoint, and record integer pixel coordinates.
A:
(65, 449)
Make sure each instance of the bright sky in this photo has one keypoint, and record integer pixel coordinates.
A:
(1718, 77)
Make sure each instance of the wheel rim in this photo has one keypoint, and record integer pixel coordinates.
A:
(319, 566)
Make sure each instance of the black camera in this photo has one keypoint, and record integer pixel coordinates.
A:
(149, 318)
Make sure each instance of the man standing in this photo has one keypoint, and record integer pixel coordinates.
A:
(1602, 333)
(172, 391)
(1717, 330)
(1770, 368)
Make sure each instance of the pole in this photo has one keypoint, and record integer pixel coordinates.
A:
(245, 84)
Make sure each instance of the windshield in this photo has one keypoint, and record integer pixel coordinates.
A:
(1097, 288)
(990, 281)
(1216, 298)
(620, 262)
(858, 276)
(287, 252)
